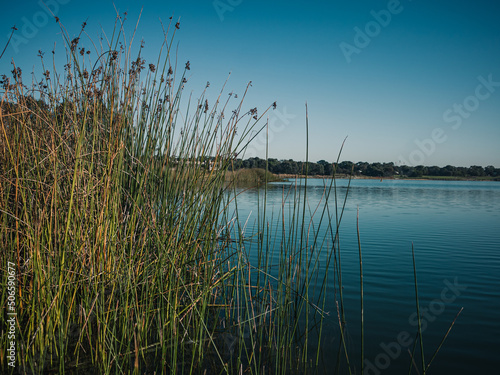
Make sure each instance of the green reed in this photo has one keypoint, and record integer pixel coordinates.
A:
(119, 209)
(116, 208)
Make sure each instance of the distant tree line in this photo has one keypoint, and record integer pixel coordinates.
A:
(324, 168)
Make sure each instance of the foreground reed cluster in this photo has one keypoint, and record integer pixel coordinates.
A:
(115, 209)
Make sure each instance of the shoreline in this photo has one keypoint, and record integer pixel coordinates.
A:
(424, 178)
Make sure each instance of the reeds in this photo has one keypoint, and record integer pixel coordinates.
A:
(131, 255)
(116, 210)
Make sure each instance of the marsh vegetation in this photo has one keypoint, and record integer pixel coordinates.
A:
(118, 211)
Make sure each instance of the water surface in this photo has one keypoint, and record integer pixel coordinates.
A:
(454, 227)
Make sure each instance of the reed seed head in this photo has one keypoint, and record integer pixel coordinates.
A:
(74, 44)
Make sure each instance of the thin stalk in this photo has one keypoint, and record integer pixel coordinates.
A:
(444, 338)
(418, 310)
(361, 294)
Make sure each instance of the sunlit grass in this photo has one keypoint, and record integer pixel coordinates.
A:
(115, 209)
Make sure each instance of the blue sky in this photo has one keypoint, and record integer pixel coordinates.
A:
(412, 82)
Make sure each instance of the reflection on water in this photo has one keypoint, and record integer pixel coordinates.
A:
(454, 227)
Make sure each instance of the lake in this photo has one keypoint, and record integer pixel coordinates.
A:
(454, 227)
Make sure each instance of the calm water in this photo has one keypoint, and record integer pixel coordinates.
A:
(455, 229)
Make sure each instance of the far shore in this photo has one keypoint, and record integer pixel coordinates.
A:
(423, 178)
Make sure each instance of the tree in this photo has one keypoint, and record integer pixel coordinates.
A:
(388, 169)
(475, 171)
(419, 171)
(273, 165)
(491, 171)
(449, 170)
(434, 171)
(361, 167)
(374, 170)
(327, 167)
(289, 167)
(345, 167)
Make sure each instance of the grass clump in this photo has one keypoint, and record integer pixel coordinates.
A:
(114, 208)
(251, 177)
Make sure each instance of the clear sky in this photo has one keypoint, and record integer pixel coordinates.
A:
(412, 82)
